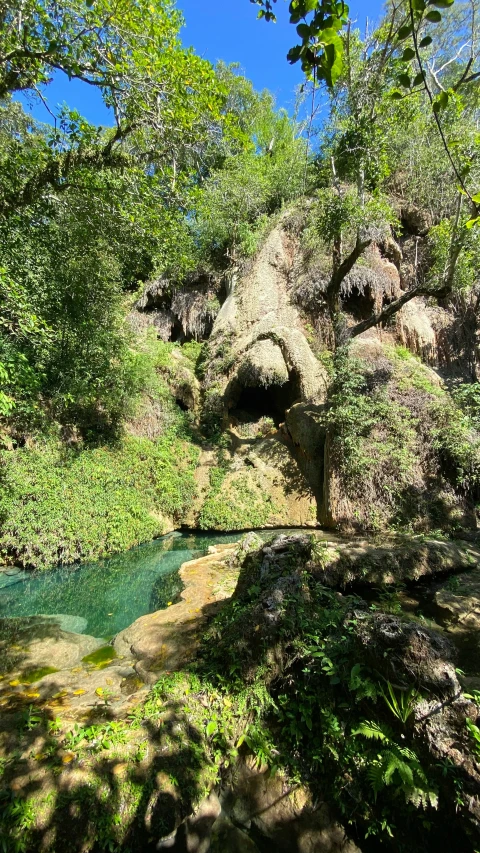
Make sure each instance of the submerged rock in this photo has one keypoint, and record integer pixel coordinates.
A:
(34, 642)
(12, 575)
(67, 622)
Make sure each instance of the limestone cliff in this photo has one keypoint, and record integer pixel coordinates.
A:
(271, 456)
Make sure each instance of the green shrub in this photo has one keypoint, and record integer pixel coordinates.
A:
(60, 505)
(240, 506)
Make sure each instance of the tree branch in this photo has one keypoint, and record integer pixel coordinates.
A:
(55, 172)
(387, 312)
(339, 274)
(435, 114)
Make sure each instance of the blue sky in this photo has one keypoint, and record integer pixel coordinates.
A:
(218, 29)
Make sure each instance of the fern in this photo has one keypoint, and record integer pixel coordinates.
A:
(397, 766)
(374, 731)
(375, 776)
(392, 762)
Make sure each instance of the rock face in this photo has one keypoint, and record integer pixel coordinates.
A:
(262, 487)
(461, 600)
(254, 803)
(177, 314)
(261, 365)
(282, 813)
(268, 344)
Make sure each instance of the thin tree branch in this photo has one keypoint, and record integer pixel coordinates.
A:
(346, 265)
(437, 120)
(387, 312)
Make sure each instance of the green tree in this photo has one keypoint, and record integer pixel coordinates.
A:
(87, 212)
(163, 97)
(376, 146)
(262, 167)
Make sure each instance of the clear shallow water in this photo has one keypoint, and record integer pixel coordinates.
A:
(107, 596)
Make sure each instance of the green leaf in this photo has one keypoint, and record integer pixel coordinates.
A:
(418, 5)
(418, 79)
(434, 17)
(425, 41)
(303, 31)
(442, 4)
(404, 80)
(440, 102)
(397, 96)
(408, 54)
(476, 198)
(211, 728)
(404, 31)
(472, 222)
(294, 54)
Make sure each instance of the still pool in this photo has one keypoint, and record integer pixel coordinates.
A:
(104, 597)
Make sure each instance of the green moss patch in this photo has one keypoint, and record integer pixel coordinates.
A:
(101, 657)
(236, 503)
(33, 675)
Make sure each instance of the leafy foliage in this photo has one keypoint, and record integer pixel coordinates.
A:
(63, 506)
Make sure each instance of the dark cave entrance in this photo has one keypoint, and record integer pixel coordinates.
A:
(360, 306)
(254, 403)
(177, 334)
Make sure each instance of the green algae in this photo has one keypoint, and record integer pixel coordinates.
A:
(33, 675)
(101, 657)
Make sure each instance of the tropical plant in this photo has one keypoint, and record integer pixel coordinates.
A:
(396, 764)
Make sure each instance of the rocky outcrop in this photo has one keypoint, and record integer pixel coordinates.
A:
(260, 365)
(339, 562)
(263, 328)
(395, 560)
(415, 330)
(460, 600)
(282, 812)
(262, 487)
(254, 803)
(407, 653)
(177, 313)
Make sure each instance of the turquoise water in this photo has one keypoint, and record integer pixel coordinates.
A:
(104, 597)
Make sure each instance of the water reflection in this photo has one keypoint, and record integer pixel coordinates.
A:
(104, 597)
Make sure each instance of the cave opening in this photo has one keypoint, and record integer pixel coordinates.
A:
(177, 334)
(254, 403)
(359, 305)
